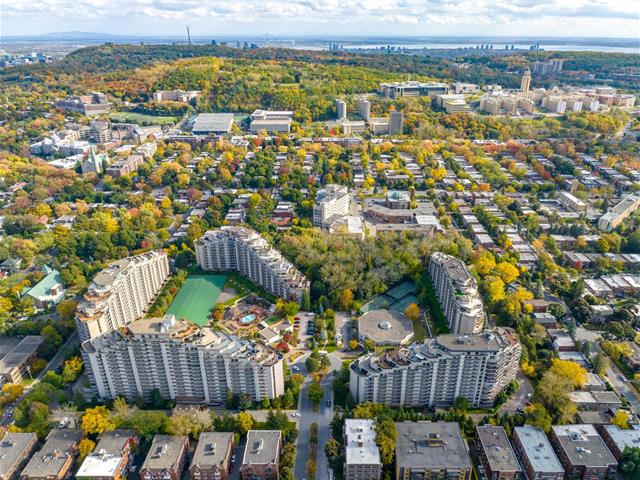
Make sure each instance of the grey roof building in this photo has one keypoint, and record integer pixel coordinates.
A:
(212, 456)
(535, 454)
(431, 449)
(15, 449)
(362, 456)
(166, 457)
(56, 457)
(582, 451)
(385, 327)
(496, 454)
(617, 439)
(212, 123)
(14, 364)
(261, 455)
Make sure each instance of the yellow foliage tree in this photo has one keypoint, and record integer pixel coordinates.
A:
(97, 420)
(412, 311)
(621, 419)
(569, 370)
(507, 272)
(85, 447)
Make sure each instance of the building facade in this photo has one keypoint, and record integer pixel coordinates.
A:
(261, 455)
(332, 204)
(15, 450)
(212, 457)
(436, 372)
(121, 293)
(457, 293)
(247, 252)
(535, 454)
(55, 458)
(616, 215)
(495, 453)
(183, 361)
(582, 452)
(166, 458)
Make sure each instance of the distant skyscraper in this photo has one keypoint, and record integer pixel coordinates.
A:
(341, 109)
(396, 120)
(525, 83)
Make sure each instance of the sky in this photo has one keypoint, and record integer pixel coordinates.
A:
(583, 18)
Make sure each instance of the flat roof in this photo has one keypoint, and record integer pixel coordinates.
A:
(360, 442)
(12, 447)
(99, 465)
(497, 448)
(538, 450)
(385, 327)
(624, 438)
(212, 448)
(52, 458)
(583, 445)
(165, 452)
(262, 447)
(115, 441)
(431, 445)
(213, 122)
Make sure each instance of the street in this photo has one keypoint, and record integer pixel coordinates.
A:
(613, 375)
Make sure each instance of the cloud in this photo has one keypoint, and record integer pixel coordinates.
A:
(379, 17)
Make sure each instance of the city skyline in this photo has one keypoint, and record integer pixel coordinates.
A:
(604, 18)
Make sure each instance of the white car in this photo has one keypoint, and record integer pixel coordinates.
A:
(295, 368)
(296, 414)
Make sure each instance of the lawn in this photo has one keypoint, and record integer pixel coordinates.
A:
(196, 298)
(140, 118)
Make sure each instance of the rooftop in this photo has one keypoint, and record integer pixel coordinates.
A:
(52, 458)
(538, 450)
(498, 449)
(623, 438)
(360, 442)
(431, 445)
(212, 448)
(99, 464)
(385, 327)
(12, 447)
(213, 122)
(583, 446)
(165, 452)
(262, 447)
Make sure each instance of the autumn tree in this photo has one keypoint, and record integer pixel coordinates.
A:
(245, 422)
(621, 419)
(72, 368)
(412, 311)
(97, 420)
(85, 447)
(346, 299)
(315, 392)
(572, 371)
(190, 421)
(386, 435)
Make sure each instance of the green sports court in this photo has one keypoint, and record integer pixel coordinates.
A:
(197, 297)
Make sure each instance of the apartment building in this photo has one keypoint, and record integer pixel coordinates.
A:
(341, 109)
(551, 67)
(617, 214)
(396, 122)
(364, 109)
(16, 356)
(571, 202)
(271, 121)
(413, 89)
(125, 166)
(184, 362)
(332, 204)
(121, 293)
(166, 458)
(261, 455)
(111, 458)
(496, 455)
(55, 458)
(436, 372)
(535, 454)
(457, 293)
(431, 450)
(525, 82)
(212, 457)
(362, 456)
(15, 450)
(618, 439)
(582, 452)
(247, 252)
(95, 103)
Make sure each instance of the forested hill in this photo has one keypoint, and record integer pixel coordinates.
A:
(467, 67)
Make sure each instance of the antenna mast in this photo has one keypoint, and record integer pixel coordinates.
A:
(188, 35)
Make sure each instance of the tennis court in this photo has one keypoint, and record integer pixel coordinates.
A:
(402, 304)
(197, 297)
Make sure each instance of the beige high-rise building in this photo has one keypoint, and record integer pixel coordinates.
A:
(436, 372)
(525, 83)
(121, 293)
(184, 362)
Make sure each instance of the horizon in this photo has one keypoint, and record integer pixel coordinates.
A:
(301, 18)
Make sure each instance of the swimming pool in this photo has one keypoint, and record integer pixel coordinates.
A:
(247, 319)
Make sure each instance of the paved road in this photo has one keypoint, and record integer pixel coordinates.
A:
(613, 375)
(322, 417)
(55, 363)
(519, 399)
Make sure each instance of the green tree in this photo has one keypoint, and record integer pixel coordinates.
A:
(630, 463)
(315, 392)
(386, 435)
(148, 423)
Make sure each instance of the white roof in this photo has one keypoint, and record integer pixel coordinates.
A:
(99, 465)
(361, 448)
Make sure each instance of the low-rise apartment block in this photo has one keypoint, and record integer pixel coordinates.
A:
(125, 166)
(212, 457)
(431, 450)
(15, 450)
(436, 372)
(536, 456)
(457, 293)
(618, 439)
(496, 454)
(362, 456)
(55, 458)
(247, 252)
(617, 214)
(261, 455)
(111, 458)
(582, 452)
(271, 121)
(166, 458)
